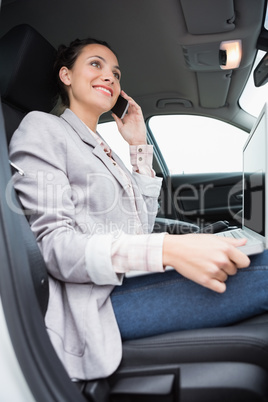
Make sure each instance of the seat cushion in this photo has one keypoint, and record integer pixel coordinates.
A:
(244, 342)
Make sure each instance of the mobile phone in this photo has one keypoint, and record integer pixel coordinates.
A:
(121, 107)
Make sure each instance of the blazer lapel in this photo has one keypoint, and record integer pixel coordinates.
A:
(99, 153)
(82, 131)
(79, 127)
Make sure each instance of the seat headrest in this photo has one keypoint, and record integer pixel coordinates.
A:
(26, 69)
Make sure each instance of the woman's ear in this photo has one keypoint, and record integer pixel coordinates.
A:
(64, 75)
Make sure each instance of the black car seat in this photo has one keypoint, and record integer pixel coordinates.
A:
(20, 47)
(216, 364)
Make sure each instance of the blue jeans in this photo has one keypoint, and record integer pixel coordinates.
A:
(164, 302)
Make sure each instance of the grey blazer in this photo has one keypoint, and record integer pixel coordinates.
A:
(77, 202)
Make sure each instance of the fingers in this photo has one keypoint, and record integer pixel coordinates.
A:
(205, 259)
(232, 260)
(132, 103)
(214, 279)
(217, 286)
(132, 126)
(240, 259)
(133, 109)
(221, 275)
(128, 98)
(231, 269)
(118, 121)
(125, 95)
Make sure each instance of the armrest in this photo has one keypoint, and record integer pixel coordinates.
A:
(174, 226)
(216, 227)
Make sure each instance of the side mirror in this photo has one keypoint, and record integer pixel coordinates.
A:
(261, 72)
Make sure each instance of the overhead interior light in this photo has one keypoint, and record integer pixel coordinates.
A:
(230, 54)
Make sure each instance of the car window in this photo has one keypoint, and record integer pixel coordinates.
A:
(195, 144)
(113, 138)
(253, 98)
(189, 144)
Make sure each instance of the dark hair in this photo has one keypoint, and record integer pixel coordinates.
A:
(66, 57)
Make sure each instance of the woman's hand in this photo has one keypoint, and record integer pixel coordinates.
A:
(132, 127)
(205, 259)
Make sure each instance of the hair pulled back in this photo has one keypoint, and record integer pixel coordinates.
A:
(66, 57)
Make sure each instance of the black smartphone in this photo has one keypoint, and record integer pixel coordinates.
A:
(121, 107)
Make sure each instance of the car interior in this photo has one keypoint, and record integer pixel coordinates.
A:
(170, 56)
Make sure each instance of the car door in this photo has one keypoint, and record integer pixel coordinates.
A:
(203, 198)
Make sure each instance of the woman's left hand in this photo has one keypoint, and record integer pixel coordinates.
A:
(132, 126)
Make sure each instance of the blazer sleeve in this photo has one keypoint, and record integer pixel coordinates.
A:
(38, 147)
(150, 188)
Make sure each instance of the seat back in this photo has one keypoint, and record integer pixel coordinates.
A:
(26, 84)
(25, 75)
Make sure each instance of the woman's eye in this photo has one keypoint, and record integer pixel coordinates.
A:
(95, 64)
(117, 76)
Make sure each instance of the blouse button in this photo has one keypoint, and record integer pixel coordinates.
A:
(140, 149)
(140, 158)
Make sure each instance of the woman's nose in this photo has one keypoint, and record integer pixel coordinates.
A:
(108, 77)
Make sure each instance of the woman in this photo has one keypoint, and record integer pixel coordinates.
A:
(92, 220)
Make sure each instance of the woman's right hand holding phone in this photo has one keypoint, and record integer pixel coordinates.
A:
(132, 126)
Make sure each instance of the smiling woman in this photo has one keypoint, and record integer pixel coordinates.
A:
(70, 162)
(96, 71)
(67, 177)
(93, 219)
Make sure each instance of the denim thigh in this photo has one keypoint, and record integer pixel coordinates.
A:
(157, 303)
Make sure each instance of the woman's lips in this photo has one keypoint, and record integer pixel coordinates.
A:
(105, 90)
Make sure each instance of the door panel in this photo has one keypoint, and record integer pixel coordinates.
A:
(202, 198)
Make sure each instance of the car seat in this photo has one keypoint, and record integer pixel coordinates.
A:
(216, 364)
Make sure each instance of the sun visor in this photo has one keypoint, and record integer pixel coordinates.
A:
(208, 17)
(213, 88)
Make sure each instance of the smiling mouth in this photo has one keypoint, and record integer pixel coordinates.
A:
(106, 91)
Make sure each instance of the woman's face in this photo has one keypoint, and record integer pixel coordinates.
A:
(93, 83)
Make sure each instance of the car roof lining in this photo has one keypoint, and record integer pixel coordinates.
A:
(151, 57)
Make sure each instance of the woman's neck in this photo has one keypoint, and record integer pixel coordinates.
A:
(90, 119)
